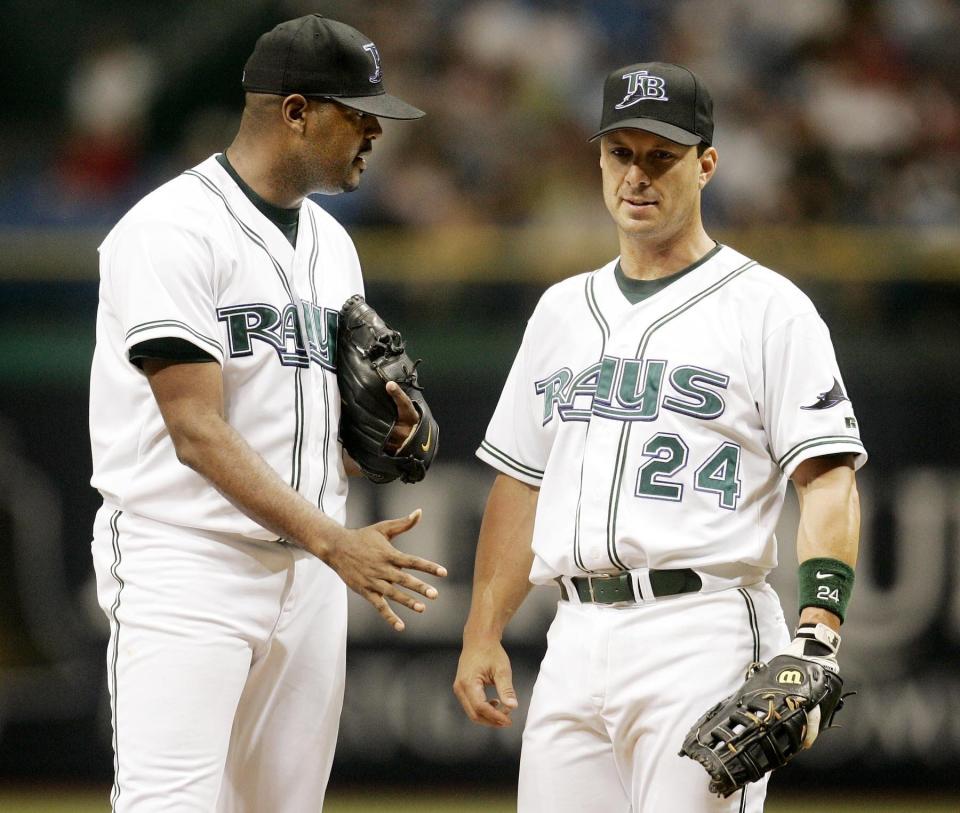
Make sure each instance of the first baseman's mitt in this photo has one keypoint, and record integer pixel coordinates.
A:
(762, 725)
(369, 354)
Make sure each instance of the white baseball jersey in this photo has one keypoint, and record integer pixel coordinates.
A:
(196, 260)
(662, 433)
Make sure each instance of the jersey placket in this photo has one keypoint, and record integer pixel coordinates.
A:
(604, 456)
(320, 374)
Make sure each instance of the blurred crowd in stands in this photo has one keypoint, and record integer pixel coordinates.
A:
(826, 110)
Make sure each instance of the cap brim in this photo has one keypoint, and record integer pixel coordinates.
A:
(659, 128)
(382, 104)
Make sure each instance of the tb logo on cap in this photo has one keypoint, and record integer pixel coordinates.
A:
(371, 49)
(640, 86)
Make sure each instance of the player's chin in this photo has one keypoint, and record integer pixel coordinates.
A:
(352, 178)
(334, 184)
(625, 214)
(350, 181)
(637, 225)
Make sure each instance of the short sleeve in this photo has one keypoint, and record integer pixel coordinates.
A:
(806, 409)
(161, 280)
(516, 442)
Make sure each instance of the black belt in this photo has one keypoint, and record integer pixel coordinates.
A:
(617, 589)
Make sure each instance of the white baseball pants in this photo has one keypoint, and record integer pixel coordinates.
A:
(620, 687)
(225, 667)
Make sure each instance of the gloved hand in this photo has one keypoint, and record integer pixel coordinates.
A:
(777, 712)
(820, 644)
(369, 356)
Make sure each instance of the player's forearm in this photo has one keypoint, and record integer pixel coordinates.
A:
(829, 514)
(190, 398)
(829, 521)
(504, 557)
(212, 448)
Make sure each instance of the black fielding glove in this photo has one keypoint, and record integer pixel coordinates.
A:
(369, 354)
(764, 724)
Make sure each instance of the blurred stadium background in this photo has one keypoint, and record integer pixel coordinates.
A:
(838, 128)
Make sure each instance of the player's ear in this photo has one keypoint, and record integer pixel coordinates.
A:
(294, 110)
(708, 165)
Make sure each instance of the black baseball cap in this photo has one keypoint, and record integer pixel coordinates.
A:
(317, 56)
(659, 97)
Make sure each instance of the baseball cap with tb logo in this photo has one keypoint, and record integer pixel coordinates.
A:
(659, 97)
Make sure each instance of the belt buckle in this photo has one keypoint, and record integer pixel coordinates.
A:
(590, 579)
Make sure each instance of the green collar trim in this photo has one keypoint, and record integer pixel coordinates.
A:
(281, 218)
(636, 290)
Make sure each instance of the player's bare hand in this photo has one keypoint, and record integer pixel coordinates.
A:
(407, 418)
(372, 567)
(484, 662)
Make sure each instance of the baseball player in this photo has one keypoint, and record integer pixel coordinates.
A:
(220, 550)
(643, 442)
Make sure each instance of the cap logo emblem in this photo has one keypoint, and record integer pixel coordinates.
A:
(641, 85)
(371, 49)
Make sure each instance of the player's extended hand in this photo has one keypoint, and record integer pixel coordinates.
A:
(408, 419)
(484, 662)
(372, 567)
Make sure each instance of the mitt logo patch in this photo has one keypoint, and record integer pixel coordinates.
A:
(830, 398)
(425, 447)
(641, 85)
(790, 677)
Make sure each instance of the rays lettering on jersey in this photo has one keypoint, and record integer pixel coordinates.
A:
(281, 330)
(632, 390)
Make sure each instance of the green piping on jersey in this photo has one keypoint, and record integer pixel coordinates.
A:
(593, 306)
(752, 617)
(258, 241)
(296, 468)
(254, 237)
(614, 501)
(620, 465)
(115, 654)
(174, 323)
(326, 437)
(516, 465)
(314, 252)
(810, 443)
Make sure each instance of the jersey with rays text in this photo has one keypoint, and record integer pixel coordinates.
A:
(662, 434)
(195, 260)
